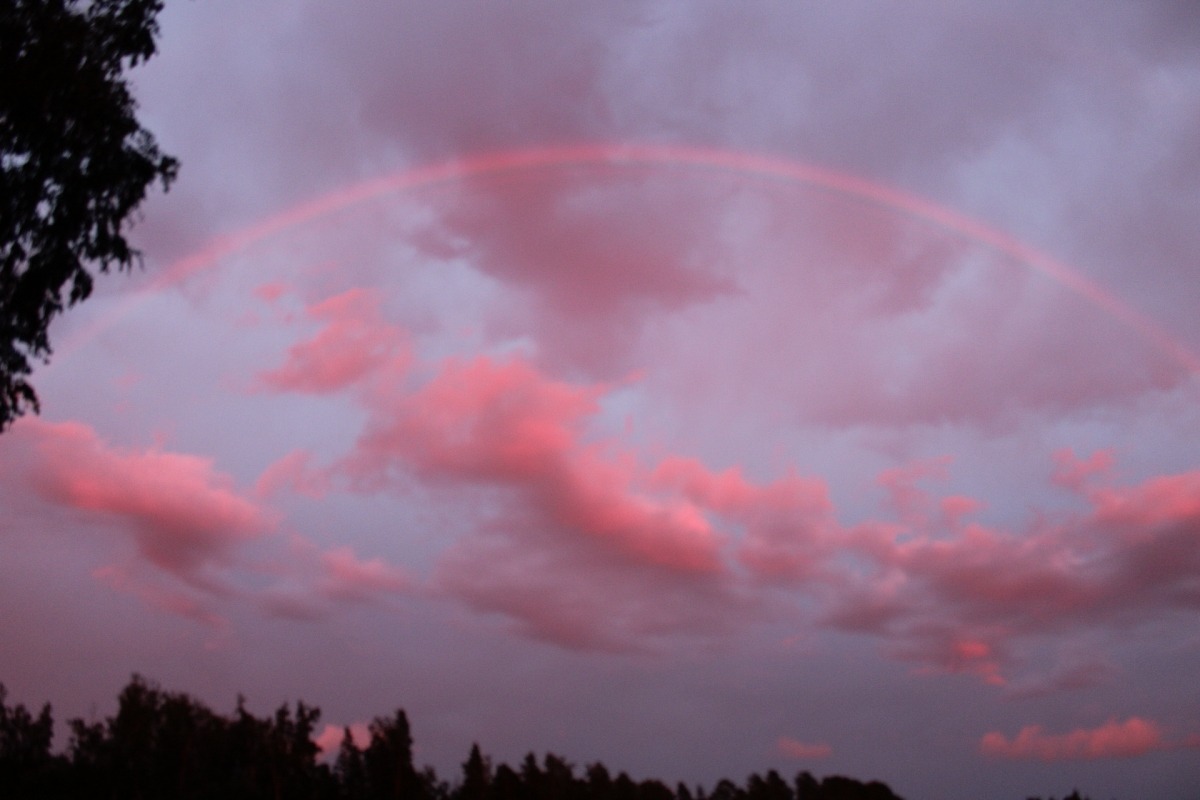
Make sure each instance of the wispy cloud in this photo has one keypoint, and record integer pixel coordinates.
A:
(1133, 737)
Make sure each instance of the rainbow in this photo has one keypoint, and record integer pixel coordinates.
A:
(675, 156)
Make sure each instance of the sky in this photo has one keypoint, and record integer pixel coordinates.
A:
(698, 388)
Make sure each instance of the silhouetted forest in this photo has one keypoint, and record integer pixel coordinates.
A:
(167, 745)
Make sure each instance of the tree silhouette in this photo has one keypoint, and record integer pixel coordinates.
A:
(558, 779)
(623, 788)
(599, 782)
(390, 771)
(727, 790)
(350, 768)
(167, 745)
(27, 768)
(506, 784)
(772, 787)
(807, 787)
(477, 777)
(74, 165)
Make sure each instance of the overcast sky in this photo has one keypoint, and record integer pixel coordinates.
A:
(700, 388)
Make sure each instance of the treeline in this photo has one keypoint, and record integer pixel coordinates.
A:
(167, 745)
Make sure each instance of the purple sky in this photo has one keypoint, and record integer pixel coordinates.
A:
(700, 388)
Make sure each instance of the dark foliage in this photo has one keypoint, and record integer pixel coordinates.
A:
(167, 745)
(74, 165)
(26, 764)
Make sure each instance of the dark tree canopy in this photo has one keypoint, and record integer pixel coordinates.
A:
(164, 744)
(74, 165)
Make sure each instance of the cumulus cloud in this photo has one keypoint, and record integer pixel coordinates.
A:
(351, 344)
(620, 249)
(187, 521)
(182, 514)
(787, 526)
(1133, 737)
(349, 578)
(577, 518)
(583, 509)
(506, 424)
(745, 293)
(306, 582)
(962, 601)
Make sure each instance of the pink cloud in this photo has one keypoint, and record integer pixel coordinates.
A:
(346, 577)
(293, 472)
(1159, 501)
(883, 330)
(793, 748)
(171, 600)
(937, 589)
(579, 595)
(181, 512)
(1074, 473)
(909, 370)
(1133, 737)
(947, 650)
(960, 599)
(271, 291)
(607, 498)
(330, 738)
(957, 507)
(593, 279)
(912, 504)
(306, 581)
(787, 525)
(483, 420)
(353, 343)
(508, 425)
(994, 577)
(950, 595)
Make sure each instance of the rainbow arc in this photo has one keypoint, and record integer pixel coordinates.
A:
(663, 155)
